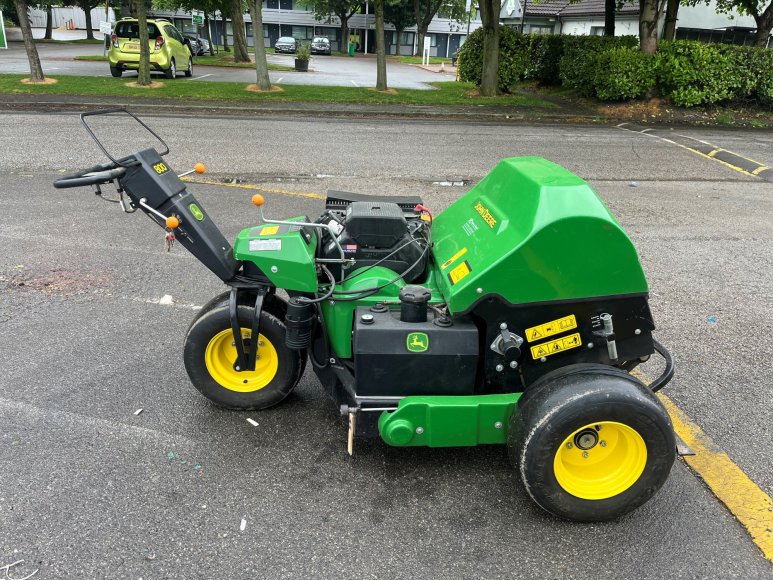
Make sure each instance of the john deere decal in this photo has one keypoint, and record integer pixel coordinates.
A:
(417, 342)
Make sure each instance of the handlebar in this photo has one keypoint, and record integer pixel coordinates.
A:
(103, 173)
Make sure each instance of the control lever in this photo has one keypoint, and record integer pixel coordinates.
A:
(198, 168)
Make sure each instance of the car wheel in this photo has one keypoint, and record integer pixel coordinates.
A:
(116, 72)
(171, 72)
(189, 70)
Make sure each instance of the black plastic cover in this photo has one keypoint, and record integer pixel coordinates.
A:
(384, 365)
(376, 224)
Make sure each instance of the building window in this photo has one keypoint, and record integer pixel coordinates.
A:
(407, 39)
(541, 30)
(272, 4)
(597, 31)
(286, 4)
(303, 32)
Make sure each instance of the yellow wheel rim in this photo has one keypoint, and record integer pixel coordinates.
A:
(600, 460)
(220, 357)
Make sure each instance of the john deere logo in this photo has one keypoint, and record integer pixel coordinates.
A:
(197, 213)
(417, 342)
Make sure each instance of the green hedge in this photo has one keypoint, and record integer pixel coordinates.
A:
(695, 73)
(577, 67)
(513, 57)
(763, 91)
(623, 73)
(545, 52)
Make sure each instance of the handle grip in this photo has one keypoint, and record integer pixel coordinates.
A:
(97, 174)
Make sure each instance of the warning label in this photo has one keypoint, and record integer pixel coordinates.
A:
(453, 258)
(550, 328)
(557, 345)
(269, 231)
(459, 272)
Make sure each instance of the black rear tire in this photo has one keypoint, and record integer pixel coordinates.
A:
(189, 70)
(116, 72)
(209, 357)
(171, 72)
(626, 465)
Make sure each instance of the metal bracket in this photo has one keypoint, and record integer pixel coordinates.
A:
(245, 357)
(608, 334)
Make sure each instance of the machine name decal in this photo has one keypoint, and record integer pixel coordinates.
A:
(196, 211)
(453, 258)
(486, 215)
(557, 345)
(417, 342)
(551, 328)
(260, 245)
(160, 168)
(269, 231)
(458, 274)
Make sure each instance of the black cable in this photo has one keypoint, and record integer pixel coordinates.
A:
(332, 279)
(389, 255)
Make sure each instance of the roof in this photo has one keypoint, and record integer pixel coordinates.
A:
(582, 8)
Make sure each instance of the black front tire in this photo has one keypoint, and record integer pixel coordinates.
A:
(116, 72)
(189, 70)
(543, 443)
(218, 382)
(171, 72)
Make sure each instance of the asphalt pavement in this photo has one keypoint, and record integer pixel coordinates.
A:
(358, 71)
(91, 490)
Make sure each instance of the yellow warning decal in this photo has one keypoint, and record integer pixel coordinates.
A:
(551, 328)
(557, 345)
(459, 272)
(269, 231)
(453, 258)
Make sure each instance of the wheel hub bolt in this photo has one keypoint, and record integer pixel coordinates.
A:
(603, 443)
(569, 445)
(585, 454)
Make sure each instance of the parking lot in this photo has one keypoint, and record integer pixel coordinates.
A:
(89, 489)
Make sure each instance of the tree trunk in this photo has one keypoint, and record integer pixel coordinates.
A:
(669, 29)
(648, 25)
(381, 73)
(224, 20)
(399, 33)
(489, 14)
(49, 21)
(36, 71)
(89, 31)
(240, 36)
(764, 24)
(344, 33)
(420, 41)
(143, 73)
(208, 33)
(261, 66)
(127, 8)
(609, 17)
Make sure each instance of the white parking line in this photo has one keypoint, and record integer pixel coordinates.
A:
(279, 80)
(355, 84)
(202, 77)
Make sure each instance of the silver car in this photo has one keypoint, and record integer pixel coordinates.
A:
(320, 45)
(286, 44)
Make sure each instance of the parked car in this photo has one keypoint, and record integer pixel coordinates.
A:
(169, 50)
(286, 44)
(199, 46)
(320, 45)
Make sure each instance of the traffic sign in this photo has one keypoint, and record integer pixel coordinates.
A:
(3, 41)
(198, 19)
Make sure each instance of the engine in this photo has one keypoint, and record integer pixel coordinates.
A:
(372, 230)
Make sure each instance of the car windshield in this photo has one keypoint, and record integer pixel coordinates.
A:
(288, 39)
(132, 30)
(321, 41)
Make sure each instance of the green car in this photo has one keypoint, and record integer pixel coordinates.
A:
(169, 50)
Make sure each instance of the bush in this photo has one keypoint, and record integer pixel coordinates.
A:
(763, 91)
(513, 56)
(695, 73)
(545, 51)
(577, 66)
(623, 73)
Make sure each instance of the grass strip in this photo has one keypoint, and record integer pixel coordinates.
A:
(226, 61)
(445, 93)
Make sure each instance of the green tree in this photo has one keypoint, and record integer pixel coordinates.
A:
(324, 10)
(240, 35)
(760, 10)
(425, 10)
(400, 14)
(261, 66)
(36, 71)
(489, 15)
(381, 73)
(87, 6)
(143, 72)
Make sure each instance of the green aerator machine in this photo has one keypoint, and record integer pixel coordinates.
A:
(513, 317)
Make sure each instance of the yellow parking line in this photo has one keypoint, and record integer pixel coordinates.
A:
(725, 163)
(712, 153)
(760, 169)
(751, 506)
(255, 187)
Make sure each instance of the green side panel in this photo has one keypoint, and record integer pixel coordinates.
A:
(445, 421)
(531, 231)
(281, 253)
(338, 316)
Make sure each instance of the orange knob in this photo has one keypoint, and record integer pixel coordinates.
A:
(258, 200)
(172, 222)
(199, 168)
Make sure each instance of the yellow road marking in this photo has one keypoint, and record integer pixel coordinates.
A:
(759, 170)
(751, 506)
(725, 163)
(712, 153)
(255, 187)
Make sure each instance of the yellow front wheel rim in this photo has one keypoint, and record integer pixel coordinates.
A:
(600, 460)
(220, 357)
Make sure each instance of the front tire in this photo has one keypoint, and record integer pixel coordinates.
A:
(210, 356)
(171, 72)
(591, 444)
(189, 70)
